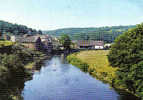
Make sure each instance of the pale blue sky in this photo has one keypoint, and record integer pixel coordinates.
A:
(53, 14)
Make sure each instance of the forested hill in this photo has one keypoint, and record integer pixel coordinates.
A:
(107, 34)
(15, 29)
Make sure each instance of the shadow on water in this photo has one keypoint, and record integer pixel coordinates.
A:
(12, 84)
(123, 95)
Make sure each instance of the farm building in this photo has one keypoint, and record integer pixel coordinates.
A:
(90, 44)
(34, 42)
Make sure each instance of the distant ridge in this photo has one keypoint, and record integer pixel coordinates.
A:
(16, 29)
(107, 34)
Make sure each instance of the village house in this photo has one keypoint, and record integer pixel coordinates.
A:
(28, 42)
(85, 44)
(107, 46)
(34, 42)
(47, 43)
(90, 44)
(45, 38)
(5, 37)
(48, 46)
(99, 44)
(13, 38)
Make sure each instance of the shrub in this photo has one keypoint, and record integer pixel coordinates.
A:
(127, 54)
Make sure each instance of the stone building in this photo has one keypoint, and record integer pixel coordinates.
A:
(90, 44)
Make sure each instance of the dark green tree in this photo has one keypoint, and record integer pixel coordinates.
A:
(40, 32)
(65, 41)
(127, 54)
(15, 29)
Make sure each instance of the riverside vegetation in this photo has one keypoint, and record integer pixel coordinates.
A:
(122, 66)
(14, 65)
(127, 55)
(95, 62)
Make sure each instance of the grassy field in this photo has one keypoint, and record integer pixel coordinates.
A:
(98, 64)
(5, 43)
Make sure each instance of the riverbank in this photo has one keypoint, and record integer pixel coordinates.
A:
(37, 59)
(23, 56)
(98, 66)
(16, 65)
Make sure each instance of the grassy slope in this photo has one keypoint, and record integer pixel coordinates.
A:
(98, 64)
(5, 43)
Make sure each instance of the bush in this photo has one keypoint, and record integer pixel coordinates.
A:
(127, 54)
(12, 71)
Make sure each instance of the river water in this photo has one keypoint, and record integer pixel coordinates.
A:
(58, 80)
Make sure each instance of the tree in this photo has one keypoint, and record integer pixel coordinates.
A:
(127, 54)
(40, 32)
(65, 41)
(15, 29)
(13, 75)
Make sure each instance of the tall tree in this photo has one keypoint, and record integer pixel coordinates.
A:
(65, 41)
(15, 29)
(127, 54)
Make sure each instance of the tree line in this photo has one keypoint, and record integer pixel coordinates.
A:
(16, 29)
(107, 34)
(127, 54)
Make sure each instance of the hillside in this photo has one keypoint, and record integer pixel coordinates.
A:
(15, 29)
(107, 34)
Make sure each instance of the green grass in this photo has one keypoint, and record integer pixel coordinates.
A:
(5, 43)
(29, 66)
(98, 64)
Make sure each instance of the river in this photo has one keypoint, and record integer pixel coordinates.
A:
(58, 80)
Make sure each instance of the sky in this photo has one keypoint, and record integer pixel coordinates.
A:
(55, 14)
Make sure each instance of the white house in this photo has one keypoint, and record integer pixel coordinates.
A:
(108, 45)
(13, 39)
(99, 45)
(46, 38)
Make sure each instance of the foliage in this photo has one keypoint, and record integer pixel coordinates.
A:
(15, 29)
(77, 62)
(127, 54)
(6, 43)
(13, 72)
(108, 34)
(65, 41)
(10, 66)
(98, 64)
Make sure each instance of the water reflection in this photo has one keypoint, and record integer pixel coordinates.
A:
(12, 84)
(58, 81)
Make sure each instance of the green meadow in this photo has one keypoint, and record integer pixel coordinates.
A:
(97, 61)
(5, 43)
